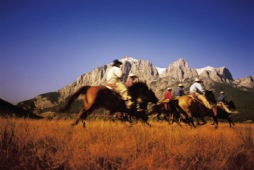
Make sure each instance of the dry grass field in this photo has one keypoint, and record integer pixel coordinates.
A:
(54, 144)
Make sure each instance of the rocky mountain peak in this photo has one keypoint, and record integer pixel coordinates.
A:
(245, 82)
(128, 59)
(179, 70)
(179, 63)
(221, 74)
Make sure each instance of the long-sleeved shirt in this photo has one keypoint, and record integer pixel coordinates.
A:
(179, 92)
(196, 87)
(114, 75)
(168, 95)
(222, 98)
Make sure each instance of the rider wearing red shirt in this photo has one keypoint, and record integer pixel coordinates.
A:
(168, 95)
(167, 98)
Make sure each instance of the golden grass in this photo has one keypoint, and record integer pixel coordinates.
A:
(54, 144)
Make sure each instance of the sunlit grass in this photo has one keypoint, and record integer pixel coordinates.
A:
(54, 144)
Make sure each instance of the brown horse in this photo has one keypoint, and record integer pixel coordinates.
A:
(191, 107)
(96, 97)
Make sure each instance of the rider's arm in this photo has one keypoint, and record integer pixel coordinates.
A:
(200, 88)
(118, 72)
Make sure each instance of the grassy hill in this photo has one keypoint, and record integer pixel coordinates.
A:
(9, 110)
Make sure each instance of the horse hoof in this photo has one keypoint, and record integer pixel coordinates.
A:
(84, 124)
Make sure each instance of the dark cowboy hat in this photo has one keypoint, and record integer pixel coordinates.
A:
(117, 62)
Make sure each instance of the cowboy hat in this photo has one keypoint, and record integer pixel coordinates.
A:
(169, 88)
(222, 92)
(197, 80)
(132, 75)
(180, 85)
(117, 62)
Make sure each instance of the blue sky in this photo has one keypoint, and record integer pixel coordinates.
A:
(46, 44)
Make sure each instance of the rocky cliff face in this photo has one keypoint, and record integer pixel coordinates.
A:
(245, 82)
(221, 74)
(176, 72)
(143, 68)
(179, 70)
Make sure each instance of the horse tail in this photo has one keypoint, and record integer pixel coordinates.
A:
(73, 97)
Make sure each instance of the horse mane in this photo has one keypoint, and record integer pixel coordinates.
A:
(137, 85)
(210, 96)
(231, 104)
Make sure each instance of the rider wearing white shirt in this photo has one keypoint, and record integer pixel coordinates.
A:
(197, 89)
(114, 77)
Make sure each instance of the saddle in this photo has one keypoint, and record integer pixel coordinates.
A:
(193, 96)
(165, 101)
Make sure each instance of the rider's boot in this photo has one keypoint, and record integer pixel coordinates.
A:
(129, 103)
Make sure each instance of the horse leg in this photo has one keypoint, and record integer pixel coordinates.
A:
(231, 123)
(148, 124)
(189, 118)
(214, 109)
(158, 116)
(82, 115)
(144, 118)
(171, 118)
(202, 119)
(191, 121)
(197, 118)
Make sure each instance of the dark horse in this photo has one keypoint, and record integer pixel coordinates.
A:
(96, 97)
(191, 107)
(222, 114)
(171, 114)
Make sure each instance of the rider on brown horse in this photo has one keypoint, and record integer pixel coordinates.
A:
(179, 91)
(114, 80)
(197, 90)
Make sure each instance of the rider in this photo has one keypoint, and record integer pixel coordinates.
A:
(131, 79)
(179, 91)
(114, 79)
(197, 90)
(222, 102)
(167, 98)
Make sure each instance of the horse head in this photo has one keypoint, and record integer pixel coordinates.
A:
(210, 96)
(140, 90)
(231, 105)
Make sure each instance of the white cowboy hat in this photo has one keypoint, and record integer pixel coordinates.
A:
(197, 80)
(180, 85)
(132, 75)
(169, 88)
(222, 92)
